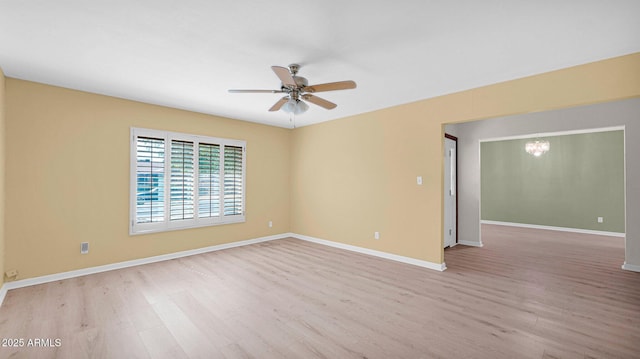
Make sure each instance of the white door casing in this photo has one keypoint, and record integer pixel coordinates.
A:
(450, 192)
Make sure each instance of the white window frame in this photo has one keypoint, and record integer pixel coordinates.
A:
(167, 224)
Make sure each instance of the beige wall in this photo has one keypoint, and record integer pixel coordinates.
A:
(2, 173)
(67, 177)
(67, 169)
(357, 175)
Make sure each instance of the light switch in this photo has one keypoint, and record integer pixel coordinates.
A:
(419, 180)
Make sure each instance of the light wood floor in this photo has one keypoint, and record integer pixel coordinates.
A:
(526, 294)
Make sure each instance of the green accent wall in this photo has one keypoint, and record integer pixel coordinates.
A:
(580, 179)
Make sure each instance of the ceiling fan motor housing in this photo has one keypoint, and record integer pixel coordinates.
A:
(300, 81)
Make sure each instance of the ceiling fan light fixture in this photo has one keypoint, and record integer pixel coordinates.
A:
(295, 107)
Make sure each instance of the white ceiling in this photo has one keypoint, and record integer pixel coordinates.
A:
(187, 53)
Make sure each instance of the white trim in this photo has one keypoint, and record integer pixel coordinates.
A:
(471, 243)
(132, 263)
(626, 266)
(136, 262)
(624, 186)
(551, 228)
(558, 133)
(394, 257)
(3, 293)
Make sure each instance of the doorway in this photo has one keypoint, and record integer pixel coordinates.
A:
(450, 191)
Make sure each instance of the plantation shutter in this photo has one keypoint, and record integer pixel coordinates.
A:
(233, 180)
(208, 180)
(149, 180)
(182, 180)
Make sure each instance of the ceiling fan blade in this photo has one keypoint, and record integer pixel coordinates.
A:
(331, 86)
(319, 101)
(279, 104)
(284, 75)
(256, 91)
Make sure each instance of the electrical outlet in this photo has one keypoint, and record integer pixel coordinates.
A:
(84, 247)
(11, 273)
(600, 220)
(270, 224)
(376, 235)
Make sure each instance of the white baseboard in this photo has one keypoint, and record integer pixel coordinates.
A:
(132, 263)
(430, 265)
(3, 293)
(551, 228)
(626, 266)
(136, 262)
(470, 243)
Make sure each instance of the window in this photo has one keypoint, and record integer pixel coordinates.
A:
(184, 181)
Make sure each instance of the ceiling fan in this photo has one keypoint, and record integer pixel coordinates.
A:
(297, 89)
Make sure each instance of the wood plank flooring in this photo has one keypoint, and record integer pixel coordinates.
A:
(525, 294)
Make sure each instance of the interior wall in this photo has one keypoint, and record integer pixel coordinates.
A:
(68, 170)
(619, 113)
(67, 165)
(357, 175)
(2, 174)
(580, 179)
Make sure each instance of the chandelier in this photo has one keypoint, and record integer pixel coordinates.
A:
(537, 147)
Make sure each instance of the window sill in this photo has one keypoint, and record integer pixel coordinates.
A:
(163, 227)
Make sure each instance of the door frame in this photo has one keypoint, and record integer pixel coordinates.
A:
(455, 139)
